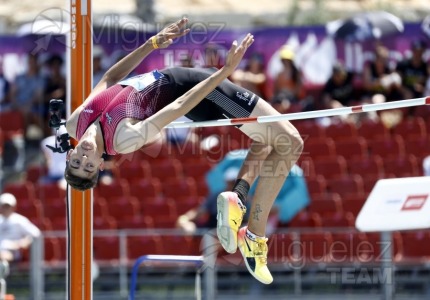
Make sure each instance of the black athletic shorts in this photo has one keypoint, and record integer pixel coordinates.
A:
(225, 102)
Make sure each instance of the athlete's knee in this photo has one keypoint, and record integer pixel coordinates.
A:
(288, 144)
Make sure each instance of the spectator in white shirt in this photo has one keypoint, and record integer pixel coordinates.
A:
(16, 231)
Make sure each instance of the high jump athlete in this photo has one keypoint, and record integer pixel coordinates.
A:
(120, 116)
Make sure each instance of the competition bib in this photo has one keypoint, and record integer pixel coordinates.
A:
(140, 82)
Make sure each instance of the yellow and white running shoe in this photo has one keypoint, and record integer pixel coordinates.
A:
(230, 212)
(255, 255)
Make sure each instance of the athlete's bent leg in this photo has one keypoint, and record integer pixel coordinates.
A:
(286, 147)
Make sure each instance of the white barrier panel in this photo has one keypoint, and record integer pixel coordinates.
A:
(396, 204)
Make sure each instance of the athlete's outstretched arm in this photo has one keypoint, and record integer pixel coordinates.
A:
(150, 127)
(161, 40)
(126, 65)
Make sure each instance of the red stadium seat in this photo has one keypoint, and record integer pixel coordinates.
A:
(52, 249)
(180, 187)
(23, 190)
(135, 172)
(316, 185)
(63, 248)
(35, 173)
(319, 148)
(106, 248)
(402, 166)
(29, 209)
(166, 207)
(372, 130)
(143, 245)
(54, 209)
(347, 185)
(189, 151)
(388, 147)
(418, 146)
(376, 247)
(338, 220)
(164, 221)
(146, 188)
(197, 168)
(238, 136)
(217, 152)
(411, 128)
(44, 224)
(167, 169)
(309, 128)
(281, 248)
(120, 207)
(304, 220)
(135, 222)
(372, 166)
(117, 188)
(12, 124)
(414, 249)
(353, 205)
(348, 248)
(132, 158)
(179, 245)
(58, 222)
(307, 166)
(341, 130)
(202, 187)
(50, 192)
(100, 207)
(104, 223)
(369, 183)
(352, 148)
(315, 247)
(331, 167)
(326, 204)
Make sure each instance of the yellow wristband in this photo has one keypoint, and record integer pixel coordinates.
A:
(154, 42)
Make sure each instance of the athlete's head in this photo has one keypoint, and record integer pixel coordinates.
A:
(83, 165)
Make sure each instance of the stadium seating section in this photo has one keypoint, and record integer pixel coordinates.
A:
(341, 163)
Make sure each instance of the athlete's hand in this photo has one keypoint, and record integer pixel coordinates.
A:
(165, 37)
(235, 54)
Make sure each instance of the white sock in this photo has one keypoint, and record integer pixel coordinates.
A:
(253, 237)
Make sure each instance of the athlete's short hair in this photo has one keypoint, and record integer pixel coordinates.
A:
(80, 183)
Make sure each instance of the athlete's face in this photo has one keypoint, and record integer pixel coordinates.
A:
(84, 160)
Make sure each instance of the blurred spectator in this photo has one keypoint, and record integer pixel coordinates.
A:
(16, 231)
(205, 215)
(187, 61)
(288, 81)
(214, 56)
(54, 161)
(252, 77)
(281, 101)
(27, 97)
(4, 89)
(56, 82)
(415, 73)
(339, 89)
(98, 69)
(381, 82)
(55, 87)
(292, 198)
